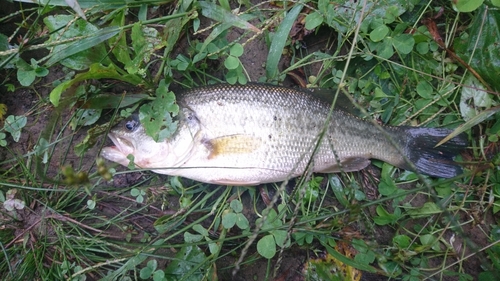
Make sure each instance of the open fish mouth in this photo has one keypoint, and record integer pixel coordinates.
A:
(119, 151)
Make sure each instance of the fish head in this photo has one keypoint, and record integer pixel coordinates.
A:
(130, 138)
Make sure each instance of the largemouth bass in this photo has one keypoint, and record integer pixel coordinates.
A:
(258, 133)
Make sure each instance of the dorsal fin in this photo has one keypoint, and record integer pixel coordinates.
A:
(328, 95)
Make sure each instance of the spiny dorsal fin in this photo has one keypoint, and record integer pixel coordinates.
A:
(328, 95)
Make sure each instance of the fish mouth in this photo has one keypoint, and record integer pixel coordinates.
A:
(119, 151)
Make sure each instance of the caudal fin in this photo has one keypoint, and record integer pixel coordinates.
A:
(430, 160)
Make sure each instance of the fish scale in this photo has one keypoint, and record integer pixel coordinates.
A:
(259, 133)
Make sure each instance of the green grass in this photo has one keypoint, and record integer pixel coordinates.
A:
(63, 219)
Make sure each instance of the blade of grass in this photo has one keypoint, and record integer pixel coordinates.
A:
(96, 71)
(471, 123)
(83, 44)
(218, 13)
(279, 41)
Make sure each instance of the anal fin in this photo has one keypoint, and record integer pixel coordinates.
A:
(350, 164)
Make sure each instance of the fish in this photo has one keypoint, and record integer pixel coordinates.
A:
(246, 135)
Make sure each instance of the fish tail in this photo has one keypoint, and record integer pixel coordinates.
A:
(419, 147)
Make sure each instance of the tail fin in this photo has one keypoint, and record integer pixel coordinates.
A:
(420, 149)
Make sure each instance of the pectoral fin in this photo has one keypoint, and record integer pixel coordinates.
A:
(232, 144)
(350, 164)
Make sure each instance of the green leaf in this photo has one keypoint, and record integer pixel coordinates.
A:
(145, 273)
(422, 48)
(338, 256)
(39, 71)
(387, 187)
(185, 260)
(225, 4)
(266, 246)
(466, 6)
(430, 241)
(87, 47)
(271, 221)
(236, 206)
(280, 237)
(152, 264)
(402, 241)
(7, 61)
(474, 97)
(480, 47)
(279, 40)
(145, 41)
(236, 50)
(231, 62)
(85, 117)
(424, 89)
(192, 238)
(403, 43)
(14, 124)
(384, 49)
(91, 204)
(181, 63)
(200, 229)
(232, 77)
(156, 116)
(242, 221)
(338, 190)
(345, 19)
(365, 258)
(443, 190)
(385, 217)
(229, 220)
(103, 101)
(3, 142)
(96, 71)
(140, 49)
(26, 74)
(159, 275)
(313, 20)
(119, 45)
(220, 14)
(391, 14)
(312, 191)
(379, 33)
(135, 192)
(173, 29)
(242, 79)
(428, 209)
(25, 78)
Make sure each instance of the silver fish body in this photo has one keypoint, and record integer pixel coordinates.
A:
(258, 133)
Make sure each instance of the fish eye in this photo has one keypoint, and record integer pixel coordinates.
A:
(131, 125)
